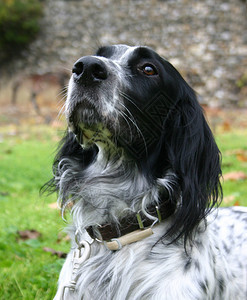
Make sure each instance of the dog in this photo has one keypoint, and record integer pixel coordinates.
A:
(141, 173)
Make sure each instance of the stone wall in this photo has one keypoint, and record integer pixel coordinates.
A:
(205, 40)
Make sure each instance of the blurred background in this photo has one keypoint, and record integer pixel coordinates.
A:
(39, 42)
(205, 40)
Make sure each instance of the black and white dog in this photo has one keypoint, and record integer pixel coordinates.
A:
(140, 171)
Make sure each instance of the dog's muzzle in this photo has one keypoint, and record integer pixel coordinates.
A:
(84, 113)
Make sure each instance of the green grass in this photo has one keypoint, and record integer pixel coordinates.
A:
(230, 143)
(26, 270)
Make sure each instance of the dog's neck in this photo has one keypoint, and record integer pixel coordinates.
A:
(112, 188)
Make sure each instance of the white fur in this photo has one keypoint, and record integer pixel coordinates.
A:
(143, 271)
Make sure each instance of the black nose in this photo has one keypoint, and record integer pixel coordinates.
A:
(89, 69)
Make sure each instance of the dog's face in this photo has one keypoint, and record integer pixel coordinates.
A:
(121, 96)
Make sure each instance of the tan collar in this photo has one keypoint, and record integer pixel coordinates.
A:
(132, 228)
(134, 236)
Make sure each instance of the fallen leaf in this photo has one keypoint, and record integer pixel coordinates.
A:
(226, 126)
(53, 205)
(54, 252)
(235, 176)
(28, 234)
(228, 199)
(63, 238)
(4, 194)
(242, 156)
(236, 203)
(8, 151)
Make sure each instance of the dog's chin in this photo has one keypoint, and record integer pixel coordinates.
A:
(83, 112)
(88, 126)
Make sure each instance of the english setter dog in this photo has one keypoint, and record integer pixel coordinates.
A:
(140, 171)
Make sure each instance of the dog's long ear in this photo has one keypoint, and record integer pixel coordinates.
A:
(196, 160)
(70, 157)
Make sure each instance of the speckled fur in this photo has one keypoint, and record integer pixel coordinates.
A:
(213, 269)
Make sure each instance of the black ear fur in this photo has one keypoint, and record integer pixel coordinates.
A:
(196, 160)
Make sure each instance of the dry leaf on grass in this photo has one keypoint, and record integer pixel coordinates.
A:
(59, 254)
(228, 199)
(4, 194)
(53, 205)
(63, 238)
(235, 176)
(28, 234)
(226, 126)
(241, 154)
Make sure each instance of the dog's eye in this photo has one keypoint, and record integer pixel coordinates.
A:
(149, 70)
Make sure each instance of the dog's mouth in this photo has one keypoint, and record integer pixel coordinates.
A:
(83, 112)
(88, 124)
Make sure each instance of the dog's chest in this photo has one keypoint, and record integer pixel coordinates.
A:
(134, 272)
(141, 271)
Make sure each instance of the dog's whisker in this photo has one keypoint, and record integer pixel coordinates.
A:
(61, 112)
(63, 91)
(62, 100)
(125, 96)
(125, 117)
(132, 120)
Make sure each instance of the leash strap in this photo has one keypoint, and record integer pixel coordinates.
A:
(79, 257)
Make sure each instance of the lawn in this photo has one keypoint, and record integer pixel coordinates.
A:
(27, 271)
(26, 154)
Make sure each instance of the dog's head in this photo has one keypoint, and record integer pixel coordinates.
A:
(129, 101)
(123, 95)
